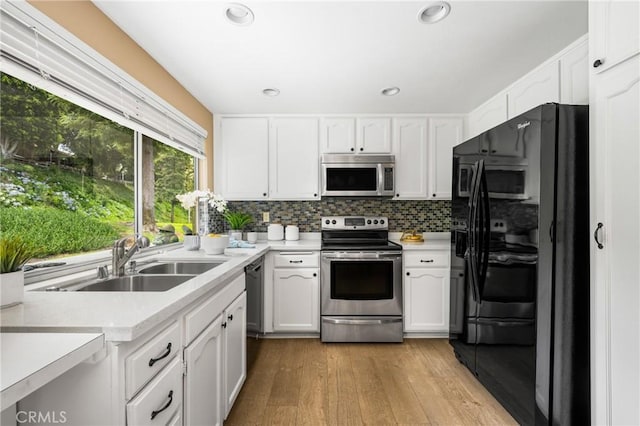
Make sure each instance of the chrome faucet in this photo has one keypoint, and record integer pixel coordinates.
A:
(121, 256)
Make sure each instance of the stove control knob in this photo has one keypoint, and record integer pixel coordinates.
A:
(381, 221)
(368, 221)
(326, 222)
(334, 221)
(375, 222)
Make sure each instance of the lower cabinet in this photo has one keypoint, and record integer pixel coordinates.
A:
(296, 292)
(426, 291)
(203, 380)
(234, 335)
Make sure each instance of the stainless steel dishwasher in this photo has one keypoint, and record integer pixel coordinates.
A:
(255, 297)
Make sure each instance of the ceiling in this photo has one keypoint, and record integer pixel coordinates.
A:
(336, 56)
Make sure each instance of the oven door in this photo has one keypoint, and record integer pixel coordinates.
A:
(361, 283)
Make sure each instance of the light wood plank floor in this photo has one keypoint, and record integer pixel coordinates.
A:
(306, 382)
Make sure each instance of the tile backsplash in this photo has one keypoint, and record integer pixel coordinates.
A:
(424, 216)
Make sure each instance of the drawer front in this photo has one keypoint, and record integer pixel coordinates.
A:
(426, 259)
(146, 362)
(303, 259)
(161, 400)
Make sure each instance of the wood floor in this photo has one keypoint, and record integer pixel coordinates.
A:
(306, 382)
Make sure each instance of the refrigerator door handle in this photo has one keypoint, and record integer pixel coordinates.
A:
(473, 230)
(485, 230)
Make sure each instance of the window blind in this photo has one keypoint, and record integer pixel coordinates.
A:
(37, 50)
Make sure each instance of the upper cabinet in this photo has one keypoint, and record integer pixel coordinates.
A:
(538, 87)
(444, 134)
(488, 115)
(574, 75)
(410, 150)
(618, 34)
(338, 135)
(373, 135)
(242, 172)
(293, 159)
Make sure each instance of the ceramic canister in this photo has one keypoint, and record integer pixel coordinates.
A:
(275, 232)
(292, 233)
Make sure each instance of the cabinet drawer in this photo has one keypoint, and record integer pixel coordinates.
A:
(160, 401)
(147, 361)
(426, 259)
(303, 259)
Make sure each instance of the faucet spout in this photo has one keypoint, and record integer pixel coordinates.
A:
(120, 255)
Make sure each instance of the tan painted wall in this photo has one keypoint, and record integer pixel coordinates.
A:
(84, 20)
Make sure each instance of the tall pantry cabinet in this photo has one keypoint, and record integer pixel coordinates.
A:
(615, 211)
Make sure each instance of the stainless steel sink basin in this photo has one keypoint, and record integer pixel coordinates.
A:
(191, 268)
(138, 283)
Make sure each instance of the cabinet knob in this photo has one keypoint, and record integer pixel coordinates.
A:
(315, 275)
(434, 195)
(315, 194)
(264, 194)
(397, 195)
(361, 149)
(224, 325)
(483, 150)
(493, 151)
(230, 317)
(426, 261)
(408, 274)
(598, 62)
(352, 149)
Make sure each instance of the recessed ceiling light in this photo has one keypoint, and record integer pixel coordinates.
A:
(238, 14)
(271, 92)
(390, 91)
(434, 12)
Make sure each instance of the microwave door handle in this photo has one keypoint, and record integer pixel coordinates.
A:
(380, 188)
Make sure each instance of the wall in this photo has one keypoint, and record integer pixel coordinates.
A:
(424, 216)
(84, 20)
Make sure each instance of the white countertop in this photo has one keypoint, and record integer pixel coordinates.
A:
(432, 241)
(30, 360)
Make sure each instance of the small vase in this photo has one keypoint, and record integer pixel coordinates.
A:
(236, 234)
(191, 242)
(11, 288)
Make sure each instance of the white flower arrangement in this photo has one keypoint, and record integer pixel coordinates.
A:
(190, 199)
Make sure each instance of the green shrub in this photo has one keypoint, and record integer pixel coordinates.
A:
(51, 232)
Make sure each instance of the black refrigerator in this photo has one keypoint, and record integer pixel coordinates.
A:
(519, 314)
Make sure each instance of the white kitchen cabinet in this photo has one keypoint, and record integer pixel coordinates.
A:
(242, 169)
(410, 149)
(444, 134)
(234, 324)
(338, 135)
(615, 25)
(203, 378)
(296, 292)
(574, 75)
(615, 215)
(426, 291)
(373, 135)
(539, 87)
(487, 115)
(293, 159)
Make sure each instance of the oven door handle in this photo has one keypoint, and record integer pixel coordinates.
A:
(376, 321)
(361, 255)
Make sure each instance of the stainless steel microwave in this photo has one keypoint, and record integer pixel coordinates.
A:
(357, 175)
(503, 181)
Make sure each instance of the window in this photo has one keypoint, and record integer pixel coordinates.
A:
(67, 181)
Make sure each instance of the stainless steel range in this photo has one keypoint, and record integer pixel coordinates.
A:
(361, 281)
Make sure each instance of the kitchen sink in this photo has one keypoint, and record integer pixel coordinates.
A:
(173, 268)
(138, 283)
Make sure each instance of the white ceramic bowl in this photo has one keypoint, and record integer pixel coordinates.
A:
(214, 245)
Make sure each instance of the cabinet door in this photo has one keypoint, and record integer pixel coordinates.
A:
(374, 136)
(456, 306)
(293, 159)
(614, 29)
(615, 202)
(296, 300)
(444, 134)
(574, 75)
(537, 88)
(410, 149)
(234, 323)
(426, 299)
(203, 382)
(244, 154)
(488, 115)
(338, 135)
